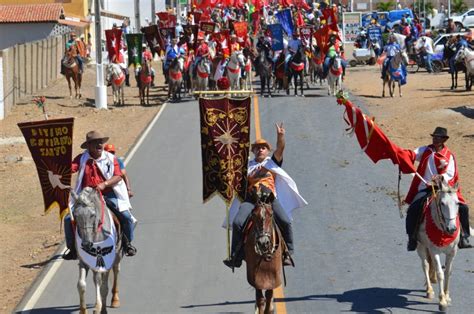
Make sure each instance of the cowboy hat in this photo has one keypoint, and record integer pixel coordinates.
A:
(440, 132)
(93, 136)
(261, 142)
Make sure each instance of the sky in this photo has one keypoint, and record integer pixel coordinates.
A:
(127, 8)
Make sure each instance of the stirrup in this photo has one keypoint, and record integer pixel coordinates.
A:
(130, 250)
(70, 255)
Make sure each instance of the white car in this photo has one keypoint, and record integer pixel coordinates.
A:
(442, 39)
(464, 20)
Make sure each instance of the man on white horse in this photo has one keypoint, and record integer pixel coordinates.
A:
(99, 169)
(267, 172)
(435, 161)
(201, 52)
(172, 52)
(391, 49)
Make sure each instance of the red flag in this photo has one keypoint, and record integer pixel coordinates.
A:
(299, 19)
(240, 29)
(373, 141)
(286, 3)
(113, 42)
(302, 4)
(255, 21)
(330, 16)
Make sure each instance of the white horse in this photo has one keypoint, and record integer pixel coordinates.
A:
(236, 63)
(335, 76)
(98, 246)
(394, 73)
(439, 234)
(175, 78)
(467, 56)
(116, 76)
(203, 71)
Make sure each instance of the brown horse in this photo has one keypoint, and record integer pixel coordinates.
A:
(144, 79)
(263, 247)
(71, 70)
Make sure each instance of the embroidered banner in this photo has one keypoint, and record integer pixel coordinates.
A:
(225, 143)
(134, 44)
(113, 42)
(306, 35)
(208, 27)
(241, 31)
(50, 145)
(286, 21)
(190, 35)
(153, 38)
(166, 33)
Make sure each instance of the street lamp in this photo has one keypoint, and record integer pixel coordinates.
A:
(100, 88)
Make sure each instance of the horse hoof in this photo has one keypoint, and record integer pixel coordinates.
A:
(83, 311)
(443, 308)
(430, 295)
(115, 304)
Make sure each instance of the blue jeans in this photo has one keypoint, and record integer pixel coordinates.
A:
(452, 66)
(428, 60)
(80, 62)
(287, 60)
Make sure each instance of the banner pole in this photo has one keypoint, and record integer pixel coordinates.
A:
(228, 229)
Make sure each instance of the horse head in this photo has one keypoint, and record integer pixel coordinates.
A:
(262, 217)
(446, 205)
(460, 55)
(179, 66)
(238, 58)
(87, 215)
(205, 65)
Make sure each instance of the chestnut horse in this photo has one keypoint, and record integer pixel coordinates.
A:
(71, 70)
(263, 248)
(145, 80)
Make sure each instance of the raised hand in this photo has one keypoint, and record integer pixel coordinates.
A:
(279, 128)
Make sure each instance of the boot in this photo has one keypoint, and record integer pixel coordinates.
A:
(233, 262)
(127, 80)
(287, 260)
(70, 255)
(464, 242)
(412, 244)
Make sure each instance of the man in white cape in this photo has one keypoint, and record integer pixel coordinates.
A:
(266, 171)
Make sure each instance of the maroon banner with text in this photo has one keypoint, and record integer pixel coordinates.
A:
(50, 145)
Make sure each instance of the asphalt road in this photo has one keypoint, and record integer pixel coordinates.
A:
(350, 241)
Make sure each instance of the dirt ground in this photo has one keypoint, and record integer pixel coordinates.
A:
(29, 238)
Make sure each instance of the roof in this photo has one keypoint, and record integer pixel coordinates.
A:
(31, 13)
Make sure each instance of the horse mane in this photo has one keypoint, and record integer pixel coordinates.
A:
(88, 197)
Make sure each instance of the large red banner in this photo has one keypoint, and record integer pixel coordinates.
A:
(225, 143)
(113, 42)
(50, 145)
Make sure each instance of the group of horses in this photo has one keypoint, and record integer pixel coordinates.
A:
(264, 246)
(463, 62)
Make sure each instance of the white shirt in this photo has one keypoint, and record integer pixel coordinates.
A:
(431, 169)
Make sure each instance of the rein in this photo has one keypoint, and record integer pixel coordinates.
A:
(102, 209)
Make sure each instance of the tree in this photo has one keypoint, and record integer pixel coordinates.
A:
(386, 6)
(458, 6)
(418, 8)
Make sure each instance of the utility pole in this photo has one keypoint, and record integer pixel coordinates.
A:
(137, 16)
(153, 11)
(100, 88)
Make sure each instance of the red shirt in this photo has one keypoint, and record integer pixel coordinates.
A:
(147, 55)
(92, 174)
(203, 50)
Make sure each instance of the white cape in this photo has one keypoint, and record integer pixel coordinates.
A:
(286, 190)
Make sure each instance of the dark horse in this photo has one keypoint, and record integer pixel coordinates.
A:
(296, 67)
(264, 69)
(263, 247)
(448, 54)
(71, 70)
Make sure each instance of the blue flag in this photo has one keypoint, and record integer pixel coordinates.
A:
(375, 35)
(277, 36)
(286, 21)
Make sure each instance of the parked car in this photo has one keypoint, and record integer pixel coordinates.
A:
(462, 21)
(440, 40)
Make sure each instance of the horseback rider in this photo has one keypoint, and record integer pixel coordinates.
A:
(172, 52)
(99, 169)
(266, 171)
(294, 44)
(391, 49)
(73, 46)
(436, 162)
(265, 45)
(119, 58)
(201, 52)
(147, 56)
(334, 49)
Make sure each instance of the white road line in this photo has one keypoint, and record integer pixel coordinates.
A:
(54, 268)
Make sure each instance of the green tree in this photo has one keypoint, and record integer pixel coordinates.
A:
(418, 7)
(386, 6)
(458, 6)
